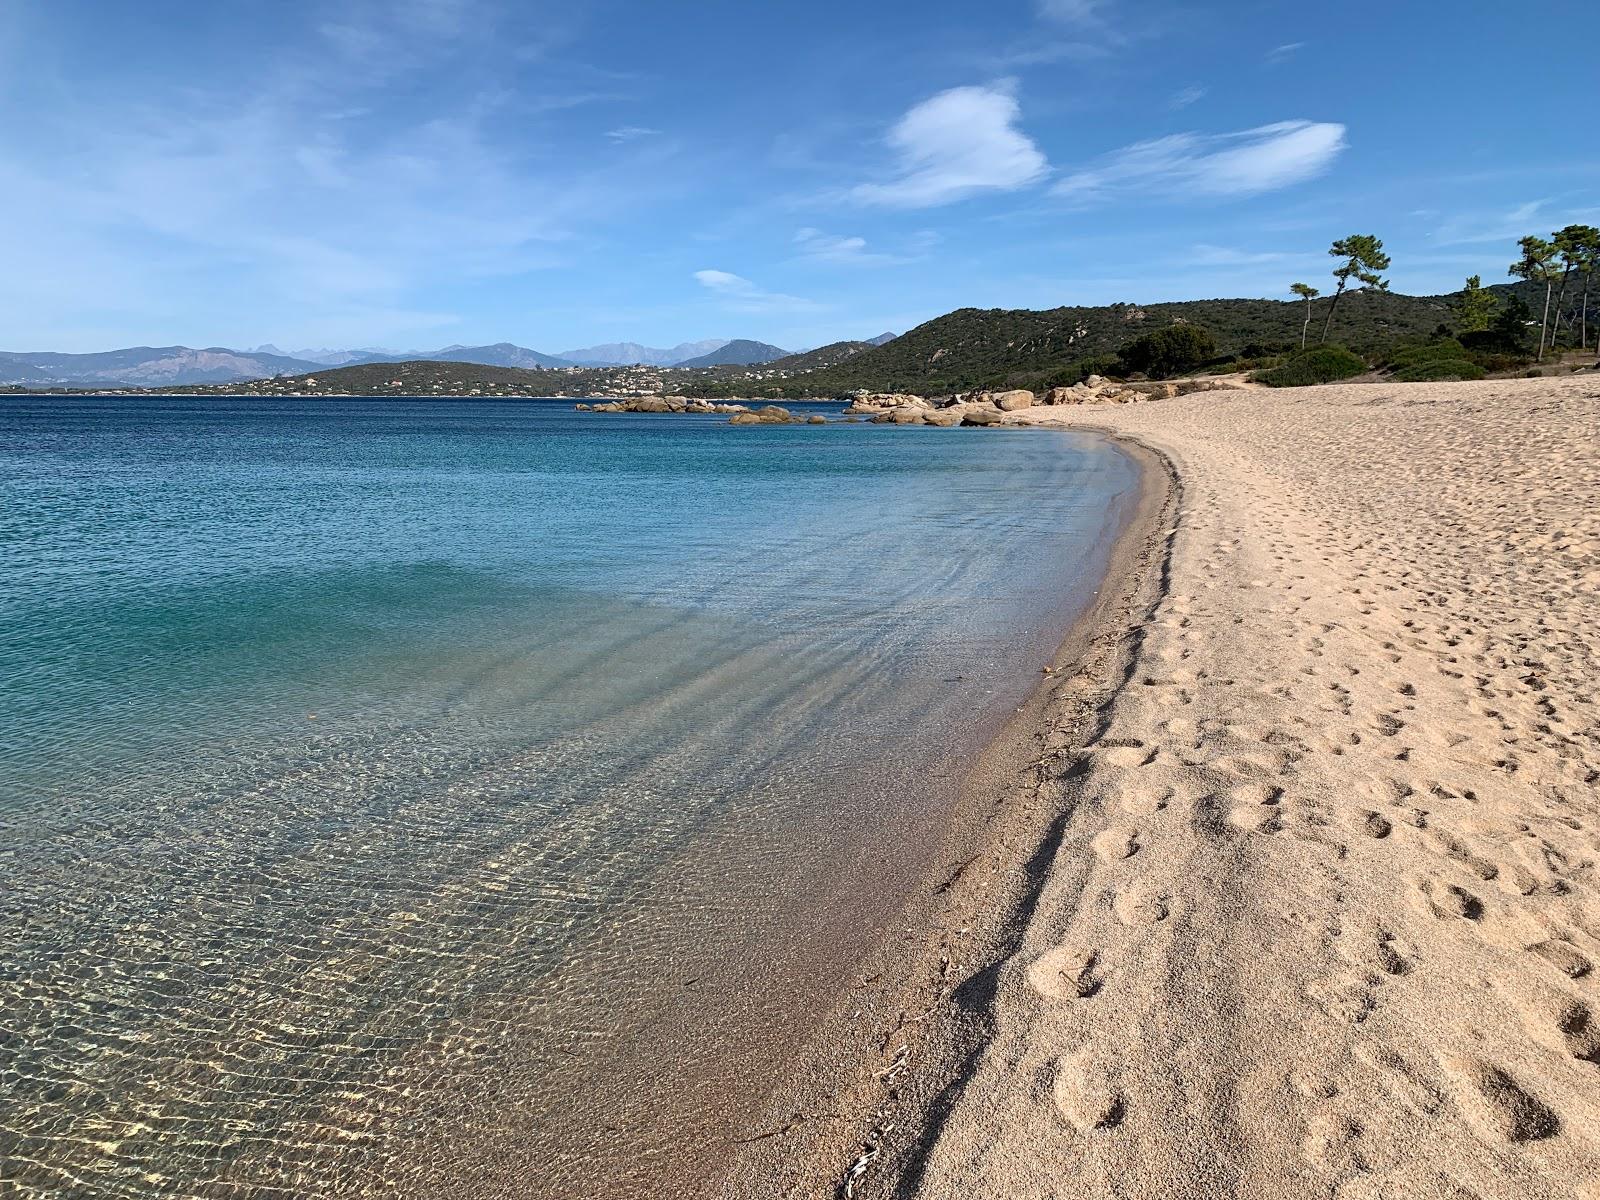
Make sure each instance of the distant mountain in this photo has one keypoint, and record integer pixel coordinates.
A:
(738, 353)
(501, 354)
(146, 366)
(337, 358)
(882, 338)
(627, 354)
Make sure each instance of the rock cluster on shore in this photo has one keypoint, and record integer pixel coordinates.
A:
(738, 414)
(661, 404)
(994, 407)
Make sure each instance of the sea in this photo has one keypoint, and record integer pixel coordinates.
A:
(457, 798)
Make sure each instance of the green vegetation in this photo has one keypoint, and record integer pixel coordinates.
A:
(1439, 370)
(1475, 305)
(1363, 258)
(1163, 353)
(1443, 358)
(1322, 364)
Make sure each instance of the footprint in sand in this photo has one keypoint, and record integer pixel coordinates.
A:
(1566, 958)
(1144, 801)
(1065, 973)
(1141, 905)
(1126, 754)
(1565, 1023)
(1344, 997)
(1113, 844)
(1394, 955)
(1447, 900)
(1254, 815)
(1087, 1096)
(1330, 1143)
(1494, 1105)
(1374, 825)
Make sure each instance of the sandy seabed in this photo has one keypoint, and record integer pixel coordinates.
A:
(1318, 914)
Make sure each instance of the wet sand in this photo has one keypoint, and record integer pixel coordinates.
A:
(1297, 896)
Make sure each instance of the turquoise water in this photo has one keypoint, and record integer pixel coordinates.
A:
(433, 798)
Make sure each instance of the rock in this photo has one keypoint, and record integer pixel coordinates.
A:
(583, 408)
(1157, 391)
(816, 420)
(981, 415)
(872, 402)
(881, 419)
(609, 406)
(770, 415)
(1094, 381)
(648, 404)
(942, 417)
(1013, 400)
(908, 416)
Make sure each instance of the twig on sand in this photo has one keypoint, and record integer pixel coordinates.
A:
(870, 1155)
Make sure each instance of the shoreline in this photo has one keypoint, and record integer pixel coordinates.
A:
(876, 1071)
(1300, 901)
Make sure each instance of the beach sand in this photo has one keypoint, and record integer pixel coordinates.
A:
(1312, 908)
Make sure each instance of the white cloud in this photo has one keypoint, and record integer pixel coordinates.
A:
(952, 145)
(628, 133)
(1229, 164)
(1279, 53)
(850, 251)
(1186, 97)
(744, 296)
(1072, 12)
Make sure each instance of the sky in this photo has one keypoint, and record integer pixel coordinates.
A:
(416, 173)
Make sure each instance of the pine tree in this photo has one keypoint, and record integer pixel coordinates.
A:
(1476, 305)
(1307, 293)
(1537, 265)
(1364, 258)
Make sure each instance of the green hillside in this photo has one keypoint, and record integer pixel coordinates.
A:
(975, 347)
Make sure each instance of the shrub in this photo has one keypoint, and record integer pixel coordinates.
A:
(1490, 341)
(1441, 350)
(1439, 369)
(1169, 351)
(1324, 364)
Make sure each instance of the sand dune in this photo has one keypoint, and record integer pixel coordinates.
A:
(1325, 919)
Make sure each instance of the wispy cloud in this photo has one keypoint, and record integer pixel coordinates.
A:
(630, 133)
(1531, 216)
(953, 145)
(1279, 53)
(1187, 96)
(1246, 163)
(742, 295)
(1074, 12)
(817, 246)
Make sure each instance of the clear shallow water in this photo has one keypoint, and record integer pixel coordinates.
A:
(454, 799)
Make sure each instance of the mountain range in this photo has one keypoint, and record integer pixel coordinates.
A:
(164, 366)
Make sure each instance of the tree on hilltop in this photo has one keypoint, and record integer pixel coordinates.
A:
(1363, 258)
(1307, 293)
(1537, 265)
(1476, 306)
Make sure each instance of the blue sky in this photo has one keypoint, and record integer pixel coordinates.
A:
(412, 173)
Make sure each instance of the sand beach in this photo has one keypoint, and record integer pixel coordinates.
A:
(1296, 896)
